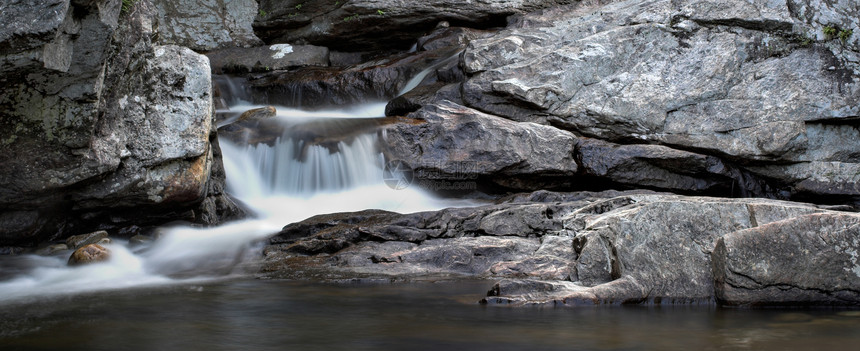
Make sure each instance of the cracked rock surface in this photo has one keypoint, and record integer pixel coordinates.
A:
(595, 248)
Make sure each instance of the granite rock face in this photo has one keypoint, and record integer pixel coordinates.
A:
(453, 142)
(594, 248)
(208, 24)
(121, 126)
(750, 97)
(267, 58)
(359, 25)
(809, 259)
(318, 86)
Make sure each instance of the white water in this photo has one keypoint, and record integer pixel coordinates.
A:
(418, 78)
(283, 183)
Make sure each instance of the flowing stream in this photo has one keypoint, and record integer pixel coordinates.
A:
(188, 289)
(287, 177)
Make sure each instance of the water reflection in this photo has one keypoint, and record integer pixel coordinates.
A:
(284, 315)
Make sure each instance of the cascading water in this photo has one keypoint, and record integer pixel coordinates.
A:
(282, 180)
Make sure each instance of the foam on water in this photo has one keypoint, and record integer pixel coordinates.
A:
(287, 181)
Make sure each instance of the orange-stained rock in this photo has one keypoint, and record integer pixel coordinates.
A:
(89, 254)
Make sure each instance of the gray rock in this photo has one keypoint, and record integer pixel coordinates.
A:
(450, 142)
(139, 239)
(595, 249)
(376, 80)
(208, 24)
(421, 96)
(839, 15)
(355, 25)
(171, 93)
(735, 81)
(267, 58)
(52, 249)
(122, 125)
(804, 260)
(661, 167)
(78, 241)
(655, 249)
(746, 87)
(513, 239)
(450, 36)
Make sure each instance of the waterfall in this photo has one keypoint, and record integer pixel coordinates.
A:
(418, 78)
(321, 161)
(284, 181)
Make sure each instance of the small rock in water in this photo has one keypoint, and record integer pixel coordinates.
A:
(78, 241)
(50, 250)
(257, 114)
(89, 254)
(139, 239)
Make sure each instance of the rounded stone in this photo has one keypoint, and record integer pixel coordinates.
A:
(91, 253)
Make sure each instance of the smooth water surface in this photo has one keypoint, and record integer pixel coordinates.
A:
(288, 315)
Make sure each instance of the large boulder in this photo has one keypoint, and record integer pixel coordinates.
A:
(662, 167)
(810, 259)
(204, 25)
(121, 132)
(753, 83)
(451, 142)
(594, 248)
(357, 25)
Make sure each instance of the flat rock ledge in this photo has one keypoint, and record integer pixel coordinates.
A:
(594, 248)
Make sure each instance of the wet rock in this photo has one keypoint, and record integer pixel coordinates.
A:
(508, 239)
(140, 142)
(140, 240)
(89, 254)
(376, 80)
(413, 100)
(12, 250)
(449, 36)
(267, 58)
(450, 142)
(807, 260)
(207, 24)
(52, 249)
(78, 241)
(597, 249)
(356, 25)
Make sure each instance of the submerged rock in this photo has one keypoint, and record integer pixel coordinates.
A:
(88, 254)
(52, 249)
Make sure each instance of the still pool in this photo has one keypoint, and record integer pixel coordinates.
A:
(289, 315)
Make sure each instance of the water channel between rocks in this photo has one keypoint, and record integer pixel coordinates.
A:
(284, 168)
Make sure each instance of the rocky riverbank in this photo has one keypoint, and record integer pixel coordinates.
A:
(725, 134)
(595, 248)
